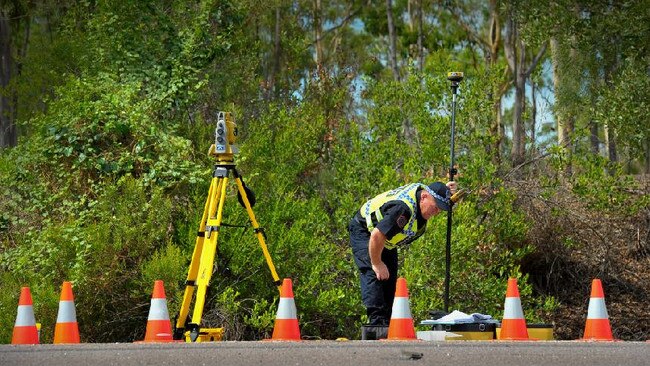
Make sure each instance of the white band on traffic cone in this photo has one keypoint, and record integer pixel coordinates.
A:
(513, 308)
(401, 308)
(158, 310)
(25, 316)
(597, 309)
(67, 312)
(287, 309)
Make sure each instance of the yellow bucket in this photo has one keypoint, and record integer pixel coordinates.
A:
(542, 332)
(471, 336)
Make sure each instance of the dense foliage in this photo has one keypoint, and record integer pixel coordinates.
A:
(116, 105)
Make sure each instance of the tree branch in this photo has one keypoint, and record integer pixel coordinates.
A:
(344, 22)
(532, 160)
(469, 30)
(539, 55)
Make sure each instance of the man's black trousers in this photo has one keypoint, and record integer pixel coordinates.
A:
(377, 296)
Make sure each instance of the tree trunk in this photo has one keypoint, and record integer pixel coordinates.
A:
(647, 156)
(493, 42)
(392, 40)
(566, 95)
(518, 133)
(594, 128)
(514, 63)
(496, 129)
(271, 87)
(610, 69)
(610, 144)
(8, 134)
(520, 72)
(318, 32)
(593, 138)
(562, 133)
(411, 16)
(420, 37)
(495, 32)
(533, 115)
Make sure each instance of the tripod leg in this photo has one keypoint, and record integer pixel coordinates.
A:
(209, 250)
(190, 282)
(258, 230)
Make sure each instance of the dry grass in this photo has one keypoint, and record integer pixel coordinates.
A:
(575, 244)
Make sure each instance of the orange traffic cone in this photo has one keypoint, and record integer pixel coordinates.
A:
(25, 331)
(159, 328)
(597, 327)
(513, 325)
(66, 329)
(401, 322)
(286, 320)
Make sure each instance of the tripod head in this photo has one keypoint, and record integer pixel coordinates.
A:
(224, 138)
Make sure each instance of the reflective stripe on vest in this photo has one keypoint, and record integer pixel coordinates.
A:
(371, 212)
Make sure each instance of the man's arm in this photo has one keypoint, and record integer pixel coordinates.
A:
(375, 247)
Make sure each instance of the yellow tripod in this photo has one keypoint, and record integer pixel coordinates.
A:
(202, 265)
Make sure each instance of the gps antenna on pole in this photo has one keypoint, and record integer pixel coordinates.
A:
(455, 78)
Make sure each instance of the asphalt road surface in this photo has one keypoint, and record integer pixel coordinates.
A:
(314, 353)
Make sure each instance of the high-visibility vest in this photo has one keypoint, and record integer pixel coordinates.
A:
(371, 212)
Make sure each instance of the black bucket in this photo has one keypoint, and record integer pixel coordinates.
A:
(374, 332)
